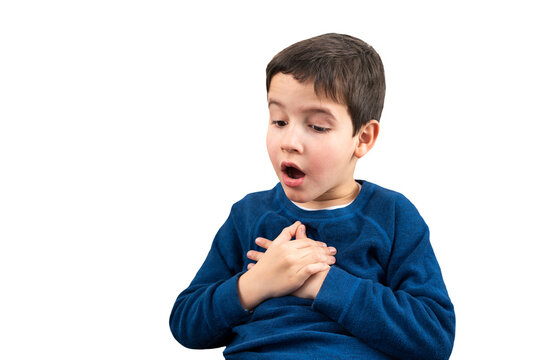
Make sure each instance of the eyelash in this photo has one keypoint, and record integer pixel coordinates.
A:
(279, 123)
(317, 129)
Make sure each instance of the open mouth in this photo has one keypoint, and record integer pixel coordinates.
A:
(292, 170)
(292, 175)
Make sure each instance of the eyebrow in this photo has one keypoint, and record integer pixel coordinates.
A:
(308, 109)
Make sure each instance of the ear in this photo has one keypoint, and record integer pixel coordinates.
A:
(366, 138)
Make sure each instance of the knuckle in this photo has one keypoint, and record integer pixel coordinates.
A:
(318, 257)
(288, 259)
(299, 242)
(308, 269)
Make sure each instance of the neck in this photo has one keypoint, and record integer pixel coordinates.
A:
(334, 197)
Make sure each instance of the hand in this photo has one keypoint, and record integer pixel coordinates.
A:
(311, 286)
(283, 268)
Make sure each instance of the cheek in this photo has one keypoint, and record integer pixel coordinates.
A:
(331, 158)
(272, 146)
(325, 158)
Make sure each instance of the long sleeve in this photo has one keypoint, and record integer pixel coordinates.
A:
(408, 315)
(205, 313)
(384, 298)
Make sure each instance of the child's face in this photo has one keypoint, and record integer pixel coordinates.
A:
(310, 143)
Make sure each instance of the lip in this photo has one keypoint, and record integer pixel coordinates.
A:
(288, 181)
(286, 164)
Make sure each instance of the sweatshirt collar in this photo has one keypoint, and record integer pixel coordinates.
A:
(300, 213)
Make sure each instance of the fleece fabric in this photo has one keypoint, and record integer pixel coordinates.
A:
(383, 299)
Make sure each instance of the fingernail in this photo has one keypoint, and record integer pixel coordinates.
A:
(332, 250)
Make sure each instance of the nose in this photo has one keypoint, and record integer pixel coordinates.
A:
(291, 141)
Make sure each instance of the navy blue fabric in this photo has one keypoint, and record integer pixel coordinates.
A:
(384, 298)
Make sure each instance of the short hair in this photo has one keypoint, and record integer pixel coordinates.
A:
(342, 67)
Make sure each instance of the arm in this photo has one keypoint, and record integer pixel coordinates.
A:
(205, 313)
(408, 316)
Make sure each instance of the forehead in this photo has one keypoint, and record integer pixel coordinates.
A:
(287, 93)
(282, 84)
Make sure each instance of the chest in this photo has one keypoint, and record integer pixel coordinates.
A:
(363, 247)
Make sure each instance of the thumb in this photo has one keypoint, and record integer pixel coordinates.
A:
(287, 234)
(301, 232)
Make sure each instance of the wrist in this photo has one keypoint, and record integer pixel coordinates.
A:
(319, 284)
(250, 294)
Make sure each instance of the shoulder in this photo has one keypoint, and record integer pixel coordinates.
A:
(383, 196)
(397, 216)
(255, 204)
(256, 199)
(391, 204)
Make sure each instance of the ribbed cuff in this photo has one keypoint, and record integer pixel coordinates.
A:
(229, 308)
(336, 293)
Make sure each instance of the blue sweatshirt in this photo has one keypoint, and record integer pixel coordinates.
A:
(384, 298)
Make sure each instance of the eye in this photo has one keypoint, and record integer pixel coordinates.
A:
(279, 123)
(319, 129)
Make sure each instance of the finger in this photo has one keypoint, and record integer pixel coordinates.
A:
(307, 243)
(312, 269)
(321, 256)
(301, 232)
(263, 242)
(254, 255)
(302, 243)
(250, 266)
(311, 255)
(287, 233)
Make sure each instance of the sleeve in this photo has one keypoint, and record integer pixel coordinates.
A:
(408, 317)
(205, 313)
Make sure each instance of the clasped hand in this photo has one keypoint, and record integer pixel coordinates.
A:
(286, 267)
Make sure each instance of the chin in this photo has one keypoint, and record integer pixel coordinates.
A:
(296, 196)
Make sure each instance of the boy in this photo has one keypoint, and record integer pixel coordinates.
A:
(354, 276)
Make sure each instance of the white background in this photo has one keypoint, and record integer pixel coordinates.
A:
(128, 129)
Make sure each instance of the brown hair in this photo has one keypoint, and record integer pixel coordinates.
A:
(343, 68)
